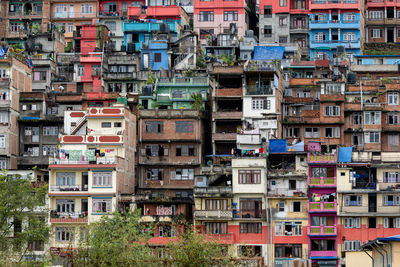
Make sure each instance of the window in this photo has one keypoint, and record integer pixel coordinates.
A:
(376, 33)
(2, 141)
(37, 245)
(282, 2)
(391, 177)
(323, 245)
(206, 16)
(39, 76)
(292, 132)
(393, 98)
(349, 36)
(352, 245)
(206, 32)
(154, 150)
(282, 21)
(393, 139)
(61, 11)
(333, 132)
(267, 11)
(283, 39)
(65, 178)
(288, 250)
(288, 228)
(352, 222)
(267, 30)
(250, 204)
(296, 206)
(155, 174)
(86, 9)
(376, 15)
(184, 174)
(65, 205)
(50, 150)
(253, 228)
(117, 124)
(157, 57)
(102, 179)
(349, 17)
(371, 222)
(50, 130)
(393, 118)
(70, 27)
(64, 234)
(353, 200)
(166, 231)
(319, 36)
(292, 185)
(216, 204)
(372, 117)
(81, 70)
(332, 110)
(184, 126)
(230, 15)
(250, 177)
(184, 150)
(102, 205)
(281, 206)
(216, 228)
(391, 200)
(371, 137)
(154, 127)
(311, 132)
(3, 163)
(259, 104)
(318, 172)
(357, 118)
(106, 125)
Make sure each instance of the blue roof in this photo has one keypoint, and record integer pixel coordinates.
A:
(268, 52)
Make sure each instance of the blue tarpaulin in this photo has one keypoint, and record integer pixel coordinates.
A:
(345, 154)
(268, 52)
(277, 146)
(299, 147)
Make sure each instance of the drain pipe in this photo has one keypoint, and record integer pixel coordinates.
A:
(373, 261)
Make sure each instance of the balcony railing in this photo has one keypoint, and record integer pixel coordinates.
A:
(322, 181)
(102, 160)
(321, 158)
(212, 190)
(321, 206)
(75, 188)
(284, 192)
(68, 217)
(259, 90)
(213, 214)
(322, 230)
(249, 214)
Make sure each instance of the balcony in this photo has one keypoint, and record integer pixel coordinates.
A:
(73, 15)
(102, 162)
(335, 4)
(298, 29)
(259, 66)
(68, 217)
(284, 192)
(322, 230)
(92, 139)
(119, 75)
(332, 44)
(213, 215)
(248, 139)
(321, 159)
(213, 191)
(322, 181)
(69, 188)
(321, 206)
(249, 214)
(335, 24)
(259, 90)
(224, 136)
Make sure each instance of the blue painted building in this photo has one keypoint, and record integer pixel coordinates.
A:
(333, 24)
(154, 55)
(138, 32)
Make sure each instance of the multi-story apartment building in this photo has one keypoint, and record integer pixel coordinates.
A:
(94, 174)
(218, 17)
(227, 107)
(287, 203)
(232, 210)
(322, 227)
(69, 14)
(336, 28)
(284, 22)
(21, 18)
(381, 20)
(15, 79)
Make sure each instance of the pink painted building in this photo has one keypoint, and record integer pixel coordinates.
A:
(221, 17)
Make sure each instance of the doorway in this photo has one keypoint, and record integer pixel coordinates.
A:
(389, 34)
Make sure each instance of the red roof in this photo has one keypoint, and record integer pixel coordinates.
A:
(322, 63)
(303, 63)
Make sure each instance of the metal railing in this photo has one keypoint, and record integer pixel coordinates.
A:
(58, 188)
(213, 190)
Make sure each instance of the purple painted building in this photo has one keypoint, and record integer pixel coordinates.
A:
(322, 228)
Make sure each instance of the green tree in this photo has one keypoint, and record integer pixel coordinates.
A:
(197, 101)
(23, 217)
